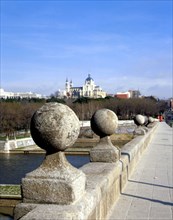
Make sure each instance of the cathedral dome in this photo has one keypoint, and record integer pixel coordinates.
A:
(89, 79)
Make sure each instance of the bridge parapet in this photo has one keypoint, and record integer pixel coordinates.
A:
(58, 191)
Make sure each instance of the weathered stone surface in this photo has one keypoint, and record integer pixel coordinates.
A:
(47, 212)
(139, 119)
(54, 127)
(139, 131)
(22, 209)
(150, 119)
(105, 151)
(104, 122)
(145, 128)
(78, 211)
(103, 188)
(86, 132)
(55, 181)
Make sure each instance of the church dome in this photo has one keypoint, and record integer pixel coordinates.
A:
(89, 79)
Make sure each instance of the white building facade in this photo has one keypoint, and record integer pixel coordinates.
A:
(5, 95)
(89, 89)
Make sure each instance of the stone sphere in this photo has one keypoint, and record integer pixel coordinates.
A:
(139, 119)
(104, 122)
(54, 127)
(146, 120)
(151, 119)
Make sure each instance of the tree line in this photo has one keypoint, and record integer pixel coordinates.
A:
(124, 108)
(15, 114)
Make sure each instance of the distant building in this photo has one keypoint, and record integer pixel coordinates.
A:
(123, 95)
(89, 89)
(134, 94)
(129, 94)
(5, 95)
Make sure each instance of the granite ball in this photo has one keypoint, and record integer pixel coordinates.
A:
(139, 119)
(150, 119)
(146, 120)
(104, 122)
(54, 127)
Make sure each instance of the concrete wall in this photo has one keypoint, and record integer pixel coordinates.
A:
(2, 143)
(120, 122)
(105, 182)
(13, 144)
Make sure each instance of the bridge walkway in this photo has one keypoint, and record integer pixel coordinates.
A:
(148, 194)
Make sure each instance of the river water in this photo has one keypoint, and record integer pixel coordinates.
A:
(13, 167)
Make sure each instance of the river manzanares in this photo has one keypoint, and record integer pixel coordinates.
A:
(13, 167)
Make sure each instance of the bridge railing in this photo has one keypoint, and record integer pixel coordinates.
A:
(56, 190)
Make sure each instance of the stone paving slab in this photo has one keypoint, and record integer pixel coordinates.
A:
(148, 194)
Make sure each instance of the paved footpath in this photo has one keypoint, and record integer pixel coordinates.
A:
(148, 194)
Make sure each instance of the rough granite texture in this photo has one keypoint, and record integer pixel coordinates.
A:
(55, 181)
(105, 151)
(104, 122)
(54, 127)
(104, 182)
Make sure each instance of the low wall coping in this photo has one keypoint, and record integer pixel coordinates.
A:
(100, 178)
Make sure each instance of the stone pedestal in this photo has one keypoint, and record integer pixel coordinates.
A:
(139, 131)
(54, 128)
(105, 151)
(54, 182)
(104, 123)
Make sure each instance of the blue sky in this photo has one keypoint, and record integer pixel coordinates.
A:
(122, 44)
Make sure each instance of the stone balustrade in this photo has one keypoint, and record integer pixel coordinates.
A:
(57, 190)
(143, 122)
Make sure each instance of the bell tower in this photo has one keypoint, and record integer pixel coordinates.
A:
(67, 86)
(71, 84)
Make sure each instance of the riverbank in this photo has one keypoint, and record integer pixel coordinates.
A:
(81, 146)
(10, 196)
